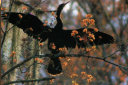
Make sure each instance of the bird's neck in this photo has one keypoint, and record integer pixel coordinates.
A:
(59, 24)
(58, 12)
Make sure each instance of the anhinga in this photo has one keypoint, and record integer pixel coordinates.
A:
(62, 38)
(56, 36)
(54, 66)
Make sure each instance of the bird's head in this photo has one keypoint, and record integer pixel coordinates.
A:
(61, 6)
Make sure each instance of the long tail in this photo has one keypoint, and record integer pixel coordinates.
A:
(54, 66)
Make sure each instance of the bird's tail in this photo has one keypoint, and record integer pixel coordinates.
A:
(54, 66)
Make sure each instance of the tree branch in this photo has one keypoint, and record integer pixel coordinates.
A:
(108, 19)
(84, 55)
(10, 7)
(63, 55)
(33, 80)
(31, 8)
(17, 65)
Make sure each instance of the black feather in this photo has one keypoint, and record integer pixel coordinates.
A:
(30, 24)
(57, 36)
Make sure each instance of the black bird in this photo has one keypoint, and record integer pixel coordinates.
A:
(62, 38)
(56, 36)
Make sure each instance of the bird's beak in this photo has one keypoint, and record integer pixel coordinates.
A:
(67, 2)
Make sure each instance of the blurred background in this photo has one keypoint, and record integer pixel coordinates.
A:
(111, 16)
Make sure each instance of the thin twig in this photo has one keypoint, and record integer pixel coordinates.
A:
(112, 54)
(10, 28)
(32, 8)
(0, 25)
(10, 7)
(33, 80)
(108, 19)
(80, 4)
(113, 10)
(27, 68)
(17, 65)
(124, 71)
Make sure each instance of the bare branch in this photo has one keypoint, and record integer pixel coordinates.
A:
(32, 8)
(17, 65)
(63, 55)
(1, 27)
(33, 80)
(10, 7)
(84, 55)
(108, 19)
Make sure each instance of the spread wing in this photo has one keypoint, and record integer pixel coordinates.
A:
(81, 39)
(101, 38)
(65, 38)
(30, 24)
(91, 37)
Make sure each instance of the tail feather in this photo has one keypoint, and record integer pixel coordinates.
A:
(54, 66)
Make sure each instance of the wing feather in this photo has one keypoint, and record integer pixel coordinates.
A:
(29, 23)
(100, 38)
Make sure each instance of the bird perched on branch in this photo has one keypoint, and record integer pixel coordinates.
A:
(57, 37)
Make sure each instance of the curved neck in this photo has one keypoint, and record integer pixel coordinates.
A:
(59, 11)
(59, 24)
